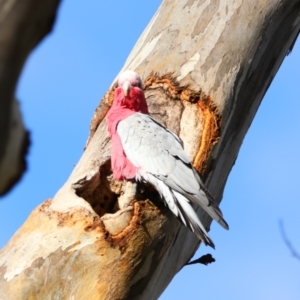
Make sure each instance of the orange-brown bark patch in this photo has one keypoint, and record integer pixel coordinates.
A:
(211, 123)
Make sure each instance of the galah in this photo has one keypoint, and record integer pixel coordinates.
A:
(144, 150)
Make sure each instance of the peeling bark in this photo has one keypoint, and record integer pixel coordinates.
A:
(206, 66)
(23, 23)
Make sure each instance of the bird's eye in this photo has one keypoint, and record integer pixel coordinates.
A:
(138, 84)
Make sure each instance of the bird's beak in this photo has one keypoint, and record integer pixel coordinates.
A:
(126, 87)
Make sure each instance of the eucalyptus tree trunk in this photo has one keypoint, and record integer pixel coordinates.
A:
(206, 66)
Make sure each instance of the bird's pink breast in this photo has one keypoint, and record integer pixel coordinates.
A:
(121, 109)
(121, 166)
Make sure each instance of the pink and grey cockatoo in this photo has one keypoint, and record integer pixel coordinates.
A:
(146, 151)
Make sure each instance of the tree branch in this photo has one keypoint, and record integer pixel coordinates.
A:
(23, 24)
(287, 241)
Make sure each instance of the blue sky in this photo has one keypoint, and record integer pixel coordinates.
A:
(61, 85)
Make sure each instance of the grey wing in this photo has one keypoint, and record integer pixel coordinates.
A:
(155, 149)
(150, 146)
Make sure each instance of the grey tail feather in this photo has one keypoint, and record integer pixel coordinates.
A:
(191, 219)
(185, 211)
(217, 215)
(203, 236)
(212, 208)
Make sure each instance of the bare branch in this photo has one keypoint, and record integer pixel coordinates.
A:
(204, 260)
(287, 241)
(24, 23)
